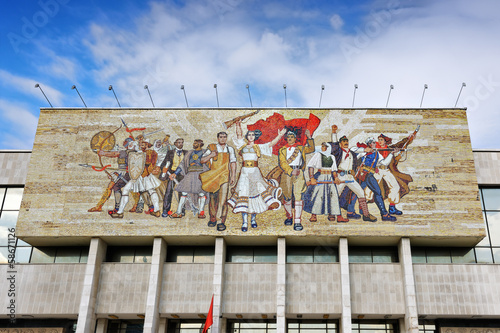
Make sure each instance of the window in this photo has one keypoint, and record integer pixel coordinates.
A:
(185, 326)
(375, 326)
(10, 202)
(426, 326)
(190, 254)
(132, 254)
(312, 326)
(251, 326)
(309, 254)
(252, 254)
(125, 326)
(488, 250)
(373, 254)
(50, 254)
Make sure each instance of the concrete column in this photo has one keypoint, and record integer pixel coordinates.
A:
(219, 262)
(411, 315)
(162, 326)
(86, 314)
(223, 325)
(102, 325)
(345, 287)
(154, 289)
(281, 287)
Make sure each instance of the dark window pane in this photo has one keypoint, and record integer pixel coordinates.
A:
(418, 256)
(204, 254)
(85, 255)
(68, 255)
(43, 255)
(325, 254)
(494, 227)
(385, 255)
(360, 255)
(13, 198)
(143, 254)
(265, 254)
(483, 256)
(240, 254)
(182, 254)
(491, 197)
(120, 254)
(438, 256)
(463, 256)
(300, 254)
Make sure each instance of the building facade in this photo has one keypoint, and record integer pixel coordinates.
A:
(83, 271)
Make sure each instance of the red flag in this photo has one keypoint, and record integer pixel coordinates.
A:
(271, 125)
(210, 318)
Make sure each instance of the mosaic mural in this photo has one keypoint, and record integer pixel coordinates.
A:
(368, 172)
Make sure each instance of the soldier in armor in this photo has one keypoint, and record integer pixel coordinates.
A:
(145, 182)
(120, 177)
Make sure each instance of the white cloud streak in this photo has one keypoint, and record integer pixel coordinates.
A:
(233, 43)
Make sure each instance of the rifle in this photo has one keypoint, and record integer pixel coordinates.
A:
(391, 149)
(410, 140)
(233, 121)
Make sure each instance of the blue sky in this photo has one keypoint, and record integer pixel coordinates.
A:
(305, 44)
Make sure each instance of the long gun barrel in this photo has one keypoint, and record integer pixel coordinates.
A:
(231, 122)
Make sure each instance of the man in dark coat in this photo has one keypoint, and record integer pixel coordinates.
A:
(168, 167)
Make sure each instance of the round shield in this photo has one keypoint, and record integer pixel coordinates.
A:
(103, 140)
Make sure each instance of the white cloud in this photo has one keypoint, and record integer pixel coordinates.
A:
(27, 86)
(336, 22)
(20, 125)
(232, 43)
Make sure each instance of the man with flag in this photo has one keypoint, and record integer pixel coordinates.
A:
(292, 160)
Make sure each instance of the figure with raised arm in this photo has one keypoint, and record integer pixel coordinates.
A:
(253, 194)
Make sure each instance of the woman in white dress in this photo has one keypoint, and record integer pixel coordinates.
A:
(253, 193)
(321, 196)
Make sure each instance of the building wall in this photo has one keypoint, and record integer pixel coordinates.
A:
(248, 283)
(447, 290)
(457, 290)
(186, 288)
(14, 167)
(123, 288)
(377, 288)
(487, 167)
(43, 289)
(313, 288)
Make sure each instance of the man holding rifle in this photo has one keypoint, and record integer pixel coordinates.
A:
(347, 161)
